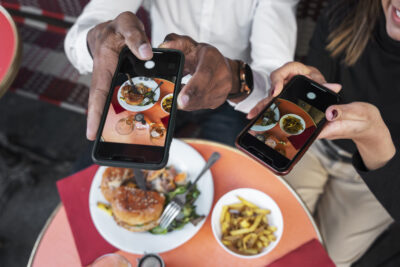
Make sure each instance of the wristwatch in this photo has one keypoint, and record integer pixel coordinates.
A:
(245, 80)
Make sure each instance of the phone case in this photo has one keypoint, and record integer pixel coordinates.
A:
(171, 124)
(302, 151)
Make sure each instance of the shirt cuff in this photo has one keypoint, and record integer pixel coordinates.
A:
(85, 59)
(392, 164)
(259, 92)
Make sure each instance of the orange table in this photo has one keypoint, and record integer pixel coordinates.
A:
(55, 245)
(10, 50)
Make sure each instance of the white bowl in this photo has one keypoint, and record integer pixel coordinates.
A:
(297, 117)
(260, 199)
(162, 100)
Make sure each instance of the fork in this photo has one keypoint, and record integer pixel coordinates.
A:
(176, 204)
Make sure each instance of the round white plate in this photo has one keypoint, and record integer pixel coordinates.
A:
(260, 199)
(303, 123)
(147, 82)
(259, 128)
(184, 158)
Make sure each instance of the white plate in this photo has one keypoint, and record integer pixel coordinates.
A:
(259, 128)
(260, 199)
(185, 158)
(147, 82)
(296, 116)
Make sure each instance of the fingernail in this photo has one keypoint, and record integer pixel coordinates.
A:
(145, 51)
(183, 100)
(333, 115)
(271, 93)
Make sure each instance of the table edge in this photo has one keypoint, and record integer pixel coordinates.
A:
(16, 62)
(190, 141)
(42, 232)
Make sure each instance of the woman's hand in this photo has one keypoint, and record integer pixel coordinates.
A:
(358, 121)
(361, 122)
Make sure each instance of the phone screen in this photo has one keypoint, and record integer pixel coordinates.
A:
(139, 112)
(288, 124)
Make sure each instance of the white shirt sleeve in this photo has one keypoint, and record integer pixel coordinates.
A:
(273, 43)
(95, 12)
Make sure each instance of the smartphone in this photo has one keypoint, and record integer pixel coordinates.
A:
(283, 131)
(138, 120)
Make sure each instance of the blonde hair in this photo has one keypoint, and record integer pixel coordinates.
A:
(354, 31)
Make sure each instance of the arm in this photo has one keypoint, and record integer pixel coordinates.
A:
(95, 12)
(273, 42)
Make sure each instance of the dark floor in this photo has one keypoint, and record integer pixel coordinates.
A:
(34, 153)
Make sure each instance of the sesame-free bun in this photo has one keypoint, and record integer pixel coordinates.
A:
(112, 179)
(135, 209)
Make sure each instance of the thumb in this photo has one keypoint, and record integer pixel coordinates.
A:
(258, 108)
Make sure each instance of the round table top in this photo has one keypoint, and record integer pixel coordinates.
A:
(9, 50)
(55, 245)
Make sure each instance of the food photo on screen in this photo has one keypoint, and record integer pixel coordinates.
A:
(139, 110)
(286, 126)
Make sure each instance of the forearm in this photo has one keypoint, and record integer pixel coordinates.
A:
(273, 41)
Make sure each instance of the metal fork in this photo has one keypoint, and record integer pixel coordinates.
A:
(176, 204)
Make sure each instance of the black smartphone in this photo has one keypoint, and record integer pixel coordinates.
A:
(138, 120)
(283, 131)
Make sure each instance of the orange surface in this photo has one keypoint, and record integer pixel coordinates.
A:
(233, 170)
(153, 114)
(287, 107)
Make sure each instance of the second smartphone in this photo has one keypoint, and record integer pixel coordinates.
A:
(284, 130)
(138, 119)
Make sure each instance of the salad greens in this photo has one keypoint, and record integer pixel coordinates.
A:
(188, 213)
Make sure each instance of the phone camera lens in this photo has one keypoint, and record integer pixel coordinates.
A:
(311, 95)
(149, 64)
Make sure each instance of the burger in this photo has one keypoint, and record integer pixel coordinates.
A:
(137, 210)
(112, 179)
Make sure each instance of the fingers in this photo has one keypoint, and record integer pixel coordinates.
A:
(132, 29)
(335, 87)
(101, 79)
(259, 107)
(350, 120)
(282, 75)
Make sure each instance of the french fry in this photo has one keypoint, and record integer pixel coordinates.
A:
(247, 203)
(223, 212)
(245, 228)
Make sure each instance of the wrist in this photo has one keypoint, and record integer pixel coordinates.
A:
(376, 149)
(242, 81)
(235, 70)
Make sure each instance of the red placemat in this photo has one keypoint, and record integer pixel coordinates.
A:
(310, 254)
(74, 193)
(8, 43)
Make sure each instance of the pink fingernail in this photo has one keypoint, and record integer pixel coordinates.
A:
(185, 100)
(145, 51)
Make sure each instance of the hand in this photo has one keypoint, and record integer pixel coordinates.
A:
(361, 122)
(280, 77)
(105, 42)
(213, 75)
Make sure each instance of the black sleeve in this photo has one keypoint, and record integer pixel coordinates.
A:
(318, 56)
(384, 182)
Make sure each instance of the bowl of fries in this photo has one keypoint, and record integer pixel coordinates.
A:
(247, 223)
